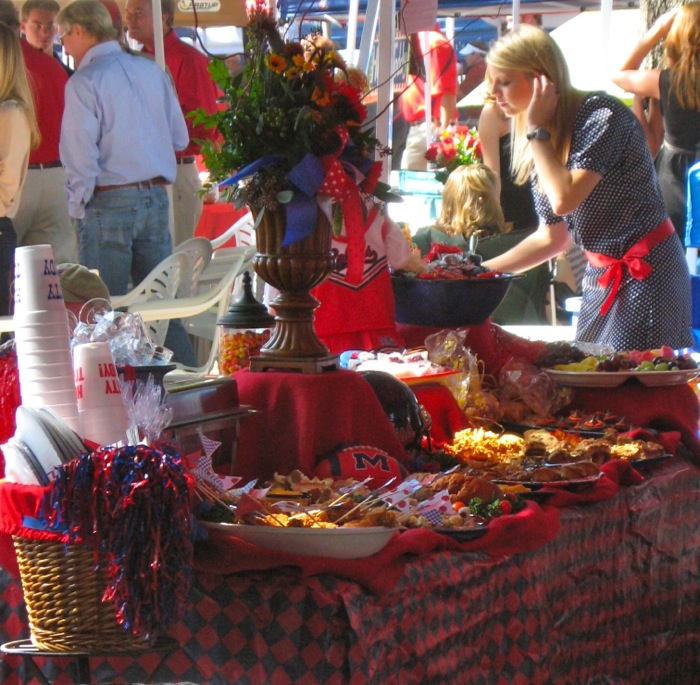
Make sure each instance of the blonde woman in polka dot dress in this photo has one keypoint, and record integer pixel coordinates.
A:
(594, 184)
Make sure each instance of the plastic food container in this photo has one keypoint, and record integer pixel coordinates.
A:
(243, 331)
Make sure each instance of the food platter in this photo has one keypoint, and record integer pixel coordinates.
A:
(521, 428)
(611, 379)
(334, 543)
(651, 461)
(574, 484)
(427, 379)
(463, 534)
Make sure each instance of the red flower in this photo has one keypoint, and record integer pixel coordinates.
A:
(370, 181)
(432, 153)
(449, 151)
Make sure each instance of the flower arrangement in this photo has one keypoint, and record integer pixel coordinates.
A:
(293, 130)
(454, 149)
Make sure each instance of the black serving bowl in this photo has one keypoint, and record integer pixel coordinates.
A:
(142, 372)
(444, 303)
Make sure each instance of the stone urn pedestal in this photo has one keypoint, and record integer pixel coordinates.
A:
(293, 270)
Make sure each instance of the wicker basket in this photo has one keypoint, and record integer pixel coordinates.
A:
(63, 594)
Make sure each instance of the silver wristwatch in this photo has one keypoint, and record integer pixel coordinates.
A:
(539, 134)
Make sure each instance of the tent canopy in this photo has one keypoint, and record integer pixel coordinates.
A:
(450, 8)
(591, 52)
(208, 12)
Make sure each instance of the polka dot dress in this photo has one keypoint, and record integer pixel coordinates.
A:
(624, 206)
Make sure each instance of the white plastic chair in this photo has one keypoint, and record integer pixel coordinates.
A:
(159, 287)
(242, 230)
(199, 251)
(200, 312)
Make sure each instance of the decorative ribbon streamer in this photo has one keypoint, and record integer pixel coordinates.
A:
(632, 259)
(262, 163)
(340, 184)
(331, 175)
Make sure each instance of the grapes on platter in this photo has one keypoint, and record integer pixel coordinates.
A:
(664, 359)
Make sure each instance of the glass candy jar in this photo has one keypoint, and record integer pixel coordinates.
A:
(243, 330)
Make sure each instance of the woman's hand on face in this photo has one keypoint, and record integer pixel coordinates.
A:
(543, 102)
(663, 24)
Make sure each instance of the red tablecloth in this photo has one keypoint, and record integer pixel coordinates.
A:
(674, 408)
(612, 598)
(216, 218)
(300, 417)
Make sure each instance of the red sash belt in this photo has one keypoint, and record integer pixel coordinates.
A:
(632, 259)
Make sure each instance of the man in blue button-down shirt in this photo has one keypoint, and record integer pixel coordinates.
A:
(121, 127)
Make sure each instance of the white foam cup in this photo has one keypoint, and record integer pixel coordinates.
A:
(27, 358)
(38, 345)
(103, 432)
(30, 258)
(25, 317)
(44, 372)
(46, 316)
(100, 413)
(37, 286)
(39, 388)
(50, 398)
(44, 331)
(95, 376)
(68, 413)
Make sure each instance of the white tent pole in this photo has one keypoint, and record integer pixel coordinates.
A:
(605, 19)
(425, 48)
(385, 54)
(351, 45)
(516, 14)
(368, 32)
(450, 29)
(158, 34)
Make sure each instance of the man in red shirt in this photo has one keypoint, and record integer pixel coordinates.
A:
(195, 89)
(473, 67)
(443, 78)
(38, 26)
(42, 217)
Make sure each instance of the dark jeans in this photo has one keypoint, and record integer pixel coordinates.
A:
(125, 235)
(8, 242)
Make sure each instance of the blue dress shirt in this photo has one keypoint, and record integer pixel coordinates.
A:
(122, 123)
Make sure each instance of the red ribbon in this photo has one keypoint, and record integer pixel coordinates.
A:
(632, 259)
(343, 188)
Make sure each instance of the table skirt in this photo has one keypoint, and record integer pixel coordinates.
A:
(613, 599)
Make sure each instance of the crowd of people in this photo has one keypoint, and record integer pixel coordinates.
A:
(577, 171)
(109, 186)
(115, 188)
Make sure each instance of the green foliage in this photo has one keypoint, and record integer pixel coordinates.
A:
(283, 103)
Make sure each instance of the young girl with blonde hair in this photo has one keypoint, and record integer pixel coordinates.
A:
(472, 219)
(19, 133)
(594, 184)
(470, 207)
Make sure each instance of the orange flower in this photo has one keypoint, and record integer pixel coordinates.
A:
(276, 63)
(320, 97)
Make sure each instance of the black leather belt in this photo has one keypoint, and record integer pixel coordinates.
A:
(157, 181)
(186, 160)
(46, 165)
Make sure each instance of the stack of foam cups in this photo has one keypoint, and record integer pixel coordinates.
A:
(103, 416)
(42, 336)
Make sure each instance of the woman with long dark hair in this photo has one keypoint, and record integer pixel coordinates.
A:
(677, 87)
